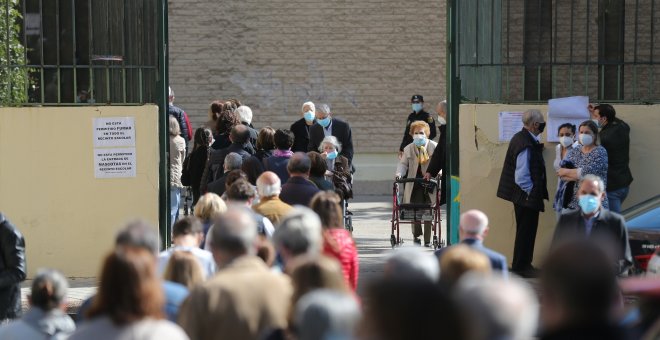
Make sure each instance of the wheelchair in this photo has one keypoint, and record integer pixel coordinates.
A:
(415, 213)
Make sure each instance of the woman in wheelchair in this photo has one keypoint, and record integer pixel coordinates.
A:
(413, 164)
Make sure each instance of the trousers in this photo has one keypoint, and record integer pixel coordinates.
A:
(527, 223)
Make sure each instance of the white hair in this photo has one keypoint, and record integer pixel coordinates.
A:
(268, 190)
(170, 91)
(330, 140)
(244, 114)
(500, 308)
(593, 178)
(413, 262)
(326, 314)
(325, 108)
(234, 231)
(311, 106)
(299, 232)
(443, 106)
(474, 222)
(532, 116)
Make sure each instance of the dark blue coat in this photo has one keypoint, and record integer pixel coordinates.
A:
(298, 190)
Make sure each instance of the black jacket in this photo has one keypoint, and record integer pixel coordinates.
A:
(341, 130)
(423, 116)
(608, 227)
(439, 162)
(615, 138)
(508, 189)
(214, 168)
(300, 131)
(180, 116)
(12, 269)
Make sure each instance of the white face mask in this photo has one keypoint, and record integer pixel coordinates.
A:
(441, 120)
(586, 139)
(566, 141)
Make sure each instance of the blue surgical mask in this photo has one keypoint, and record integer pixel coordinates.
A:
(586, 139)
(419, 140)
(309, 116)
(332, 155)
(324, 122)
(588, 203)
(417, 107)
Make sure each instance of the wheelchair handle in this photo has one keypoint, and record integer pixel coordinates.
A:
(415, 180)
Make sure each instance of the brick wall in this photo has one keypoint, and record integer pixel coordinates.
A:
(365, 58)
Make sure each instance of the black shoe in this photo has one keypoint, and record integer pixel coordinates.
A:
(417, 241)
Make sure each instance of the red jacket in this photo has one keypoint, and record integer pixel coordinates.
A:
(341, 246)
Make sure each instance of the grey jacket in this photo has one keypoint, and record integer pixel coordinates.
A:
(39, 324)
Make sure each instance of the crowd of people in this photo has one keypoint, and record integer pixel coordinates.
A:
(265, 254)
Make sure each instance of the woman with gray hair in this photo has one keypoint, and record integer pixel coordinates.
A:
(177, 155)
(46, 318)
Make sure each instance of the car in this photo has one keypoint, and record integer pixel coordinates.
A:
(643, 223)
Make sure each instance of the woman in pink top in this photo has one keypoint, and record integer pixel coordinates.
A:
(337, 241)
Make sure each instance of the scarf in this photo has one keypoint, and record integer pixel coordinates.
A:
(422, 155)
(282, 153)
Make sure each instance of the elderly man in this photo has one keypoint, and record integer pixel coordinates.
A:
(594, 222)
(270, 205)
(233, 161)
(187, 234)
(472, 231)
(180, 115)
(242, 194)
(412, 263)
(326, 125)
(300, 128)
(12, 269)
(523, 182)
(244, 300)
(245, 115)
(239, 137)
(298, 189)
(299, 234)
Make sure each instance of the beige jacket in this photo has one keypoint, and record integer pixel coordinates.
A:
(177, 155)
(408, 166)
(272, 208)
(244, 300)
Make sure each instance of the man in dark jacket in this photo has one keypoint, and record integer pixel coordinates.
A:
(300, 128)
(417, 102)
(12, 269)
(298, 189)
(239, 137)
(523, 182)
(615, 138)
(593, 222)
(180, 116)
(326, 125)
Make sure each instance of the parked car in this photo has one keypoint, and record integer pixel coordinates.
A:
(643, 222)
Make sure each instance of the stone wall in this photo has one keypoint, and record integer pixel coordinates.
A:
(364, 58)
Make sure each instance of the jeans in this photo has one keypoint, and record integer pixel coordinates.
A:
(175, 199)
(616, 198)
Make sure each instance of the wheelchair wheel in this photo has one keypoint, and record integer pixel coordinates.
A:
(436, 245)
(393, 241)
(348, 223)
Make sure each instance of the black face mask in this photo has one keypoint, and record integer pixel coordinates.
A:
(541, 127)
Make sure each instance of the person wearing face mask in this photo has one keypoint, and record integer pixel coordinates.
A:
(593, 221)
(414, 164)
(439, 158)
(615, 138)
(567, 142)
(417, 103)
(327, 125)
(523, 182)
(300, 128)
(588, 158)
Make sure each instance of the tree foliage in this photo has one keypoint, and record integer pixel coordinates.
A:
(13, 70)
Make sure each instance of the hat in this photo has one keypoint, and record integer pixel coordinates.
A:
(417, 97)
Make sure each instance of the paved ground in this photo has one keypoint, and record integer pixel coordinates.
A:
(371, 220)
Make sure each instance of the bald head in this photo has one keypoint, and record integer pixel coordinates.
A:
(239, 134)
(269, 184)
(473, 224)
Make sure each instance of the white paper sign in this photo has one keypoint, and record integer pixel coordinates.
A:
(510, 123)
(114, 163)
(566, 110)
(114, 131)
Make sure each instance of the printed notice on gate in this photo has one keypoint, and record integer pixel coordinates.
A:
(114, 131)
(114, 163)
(510, 123)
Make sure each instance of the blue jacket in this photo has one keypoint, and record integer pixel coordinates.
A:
(298, 190)
(497, 261)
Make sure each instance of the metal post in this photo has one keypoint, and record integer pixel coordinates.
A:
(453, 98)
(163, 173)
